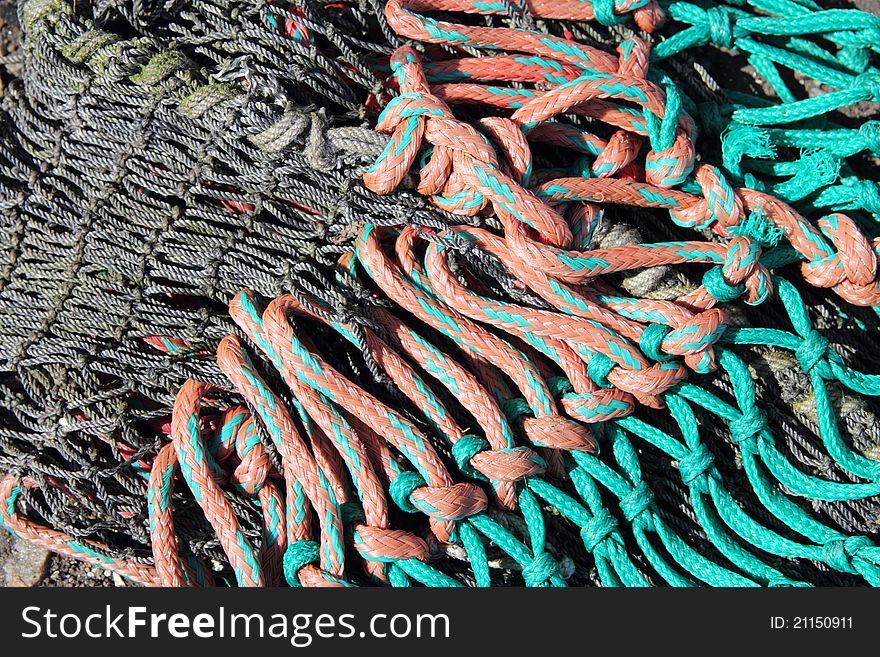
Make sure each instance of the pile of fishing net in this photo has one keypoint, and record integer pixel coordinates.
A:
(440, 292)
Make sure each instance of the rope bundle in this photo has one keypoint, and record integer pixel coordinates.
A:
(455, 403)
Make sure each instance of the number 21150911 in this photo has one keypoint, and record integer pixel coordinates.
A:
(811, 623)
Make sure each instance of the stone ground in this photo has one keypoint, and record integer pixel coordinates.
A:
(25, 565)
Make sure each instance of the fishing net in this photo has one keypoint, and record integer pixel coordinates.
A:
(369, 410)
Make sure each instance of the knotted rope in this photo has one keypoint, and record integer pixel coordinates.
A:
(792, 146)
(503, 398)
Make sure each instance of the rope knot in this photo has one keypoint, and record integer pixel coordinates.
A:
(695, 465)
(720, 22)
(651, 340)
(461, 170)
(869, 84)
(839, 553)
(718, 288)
(444, 503)
(720, 202)
(636, 502)
(515, 408)
(852, 270)
(694, 339)
(742, 265)
(599, 406)
(598, 368)
(749, 425)
(870, 134)
(598, 529)
(812, 351)
(465, 449)
(453, 502)
(540, 570)
(648, 382)
(509, 464)
(476, 458)
(866, 193)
